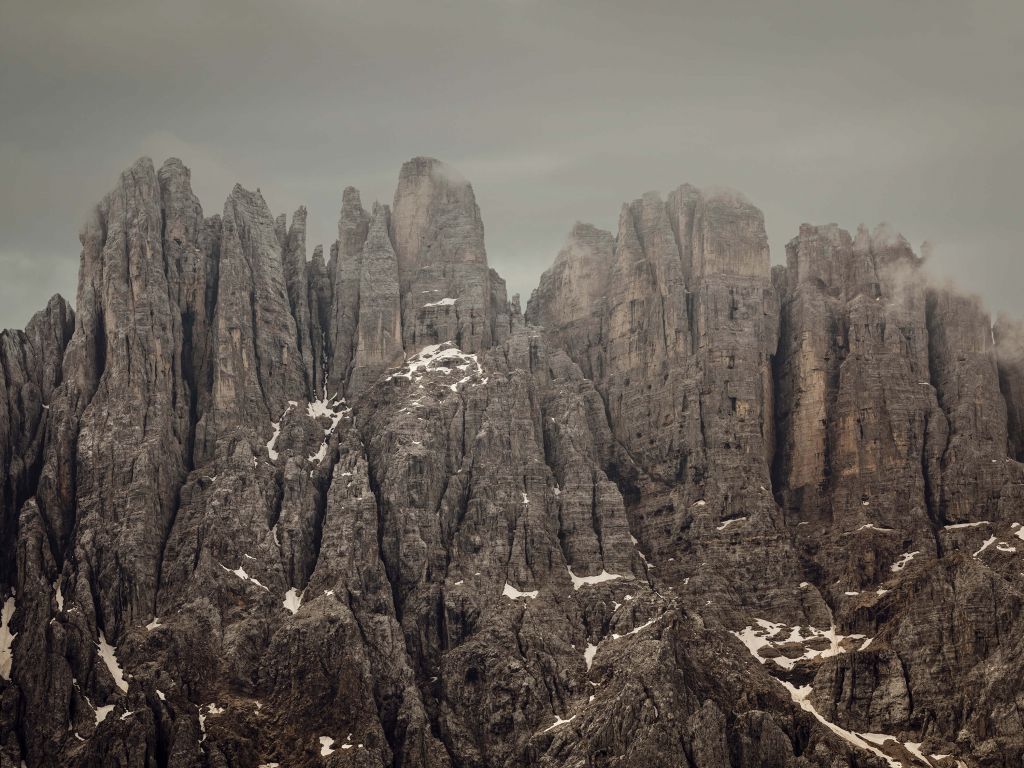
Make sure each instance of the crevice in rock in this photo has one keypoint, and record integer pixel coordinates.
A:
(278, 503)
(254, 317)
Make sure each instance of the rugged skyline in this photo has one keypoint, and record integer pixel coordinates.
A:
(364, 512)
(905, 112)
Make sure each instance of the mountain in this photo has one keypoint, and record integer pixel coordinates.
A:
(688, 509)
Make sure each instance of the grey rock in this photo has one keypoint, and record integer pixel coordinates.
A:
(687, 510)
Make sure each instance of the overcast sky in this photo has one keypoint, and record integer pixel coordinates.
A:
(898, 111)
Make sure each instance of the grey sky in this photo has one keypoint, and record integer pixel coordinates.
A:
(907, 112)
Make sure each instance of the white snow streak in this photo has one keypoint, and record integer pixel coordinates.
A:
(109, 655)
(905, 558)
(240, 573)
(559, 721)
(726, 523)
(988, 543)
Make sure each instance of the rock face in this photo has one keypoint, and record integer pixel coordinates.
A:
(448, 292)
(675, 320)
(690, 510)
(861, 433)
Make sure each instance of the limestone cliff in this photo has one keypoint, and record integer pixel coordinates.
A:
(268, 510)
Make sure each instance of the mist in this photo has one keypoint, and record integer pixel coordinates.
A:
(908, 113)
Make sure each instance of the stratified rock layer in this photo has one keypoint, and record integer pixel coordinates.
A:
(261, 510)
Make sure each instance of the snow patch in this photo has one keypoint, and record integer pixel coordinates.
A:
(768, 634)
(905, 558)
(327, 408)
(102, 712)
(326, 743)
(153, 624)
(445, 302)
(109, 655)
(514, 594)
(589, 654)
(579, 581)
(957, 526)
(442, 358)
(292, 600)
(320, 455)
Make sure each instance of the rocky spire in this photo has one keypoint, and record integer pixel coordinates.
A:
(353, 227)
(297, 283)
(860, 430)
(30, 370)
(438, 238)
(320, 294)
(378, 343)
(254, 336)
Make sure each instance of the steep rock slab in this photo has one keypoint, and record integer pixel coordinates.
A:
(320, 292)
(30, 371)
(254, 338)
(500, 534)
(942, 667)
(979, 479)
(132, 439)
(118, 448)
(346, 260)
(860, 431)
(378, 343)
(293, 252)
(192, 245)
(570, 300)
(447, 288)
(1009, 337)
(678, 334)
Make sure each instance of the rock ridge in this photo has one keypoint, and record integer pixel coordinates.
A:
(263, 508)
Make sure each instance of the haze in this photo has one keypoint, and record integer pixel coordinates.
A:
(906, 112)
